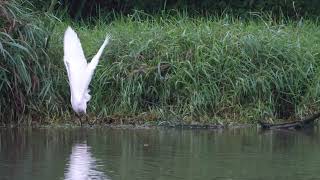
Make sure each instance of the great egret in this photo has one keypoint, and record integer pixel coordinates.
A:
(79, 71)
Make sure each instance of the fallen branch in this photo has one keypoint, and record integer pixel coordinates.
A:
(291, 125)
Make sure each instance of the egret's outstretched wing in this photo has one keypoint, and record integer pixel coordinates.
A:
(73, 52)
(75, 62)
(93, 64)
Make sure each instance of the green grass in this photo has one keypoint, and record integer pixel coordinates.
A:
(213, 69)
(202, 69)
(22, 53)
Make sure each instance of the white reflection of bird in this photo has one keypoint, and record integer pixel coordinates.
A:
(79, 71)
(82, 165)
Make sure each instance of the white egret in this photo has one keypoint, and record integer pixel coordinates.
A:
(79, 71)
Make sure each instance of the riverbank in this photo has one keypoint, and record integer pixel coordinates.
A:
(204, 70)
(214, 71)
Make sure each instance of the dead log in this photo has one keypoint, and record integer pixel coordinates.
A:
(305, 122)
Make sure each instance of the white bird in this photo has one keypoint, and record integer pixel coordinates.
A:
(79, 71)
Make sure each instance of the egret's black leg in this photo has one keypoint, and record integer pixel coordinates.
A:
(79, 118)
(90, 123)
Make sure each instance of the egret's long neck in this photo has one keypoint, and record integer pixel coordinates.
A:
(94, 62)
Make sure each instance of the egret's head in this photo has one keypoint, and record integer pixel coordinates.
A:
(79, 107)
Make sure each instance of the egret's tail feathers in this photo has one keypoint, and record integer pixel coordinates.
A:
(94, 62)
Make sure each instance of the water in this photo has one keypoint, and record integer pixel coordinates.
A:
(102, 153)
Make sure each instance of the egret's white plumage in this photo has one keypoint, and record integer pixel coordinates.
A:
(79, 71)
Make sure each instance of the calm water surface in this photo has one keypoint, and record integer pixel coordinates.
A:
(102, 153)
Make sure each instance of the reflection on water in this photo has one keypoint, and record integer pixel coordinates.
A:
(162, 154)
(82, 165)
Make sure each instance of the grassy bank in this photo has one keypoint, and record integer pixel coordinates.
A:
(215, 69)
(208, 70)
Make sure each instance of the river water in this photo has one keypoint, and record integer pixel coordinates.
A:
(161, 154)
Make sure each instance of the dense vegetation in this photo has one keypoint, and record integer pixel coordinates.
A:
(23, 65)
(291, 8)
(161, 67)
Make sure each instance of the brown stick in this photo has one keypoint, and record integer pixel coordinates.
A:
(295, 124)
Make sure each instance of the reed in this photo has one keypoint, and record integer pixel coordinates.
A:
(23, 57)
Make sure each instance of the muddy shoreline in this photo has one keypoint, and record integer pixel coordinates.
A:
(140, 126)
